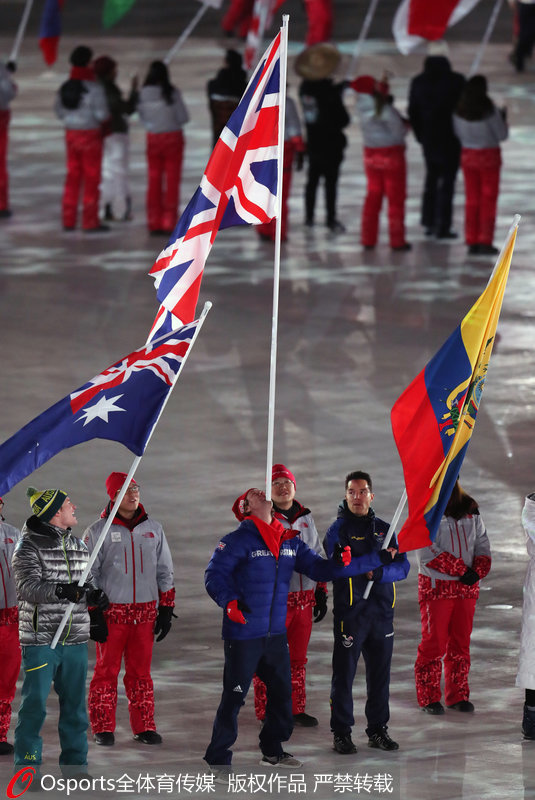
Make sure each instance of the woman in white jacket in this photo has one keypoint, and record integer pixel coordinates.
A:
(383, 132)
(525, 678)
(163, 113)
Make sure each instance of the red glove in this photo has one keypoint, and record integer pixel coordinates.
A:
(234, 611)
(342, 555)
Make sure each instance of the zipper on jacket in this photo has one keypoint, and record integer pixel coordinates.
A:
(3, 580)
(141, 556)
(133, 568)
(35, 619)
(70, 581)
(273, 595)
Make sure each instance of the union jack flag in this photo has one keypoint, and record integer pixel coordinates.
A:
(122, 404)
(239, 187)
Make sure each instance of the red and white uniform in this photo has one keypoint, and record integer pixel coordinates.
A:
(83, 140)
(299, 615)
(481, 164)
(9, 627)
(165, 152)
(384, 135)
(134, 568)
(447, 607)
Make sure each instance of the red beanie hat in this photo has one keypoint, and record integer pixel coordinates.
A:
(239, 506)
(280, 471)
(114, 482)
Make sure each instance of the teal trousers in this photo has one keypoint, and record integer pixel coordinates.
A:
(66, 668)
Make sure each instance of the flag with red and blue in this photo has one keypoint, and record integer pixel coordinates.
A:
(239, 187)
(122, 404)
(433, 420)
(50, 30)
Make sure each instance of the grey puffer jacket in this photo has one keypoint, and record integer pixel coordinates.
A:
(45, 556)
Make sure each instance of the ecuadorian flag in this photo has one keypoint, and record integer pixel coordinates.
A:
(434, 418)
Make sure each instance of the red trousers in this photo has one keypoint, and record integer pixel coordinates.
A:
(268, 228)
(298, 630)
(446, 630)
(4, 178)
(238, 17)
(135, 642)
(481, 170)
(320, 21)
(84, 158)
(10, 650)
(165, 152)
(386, 174)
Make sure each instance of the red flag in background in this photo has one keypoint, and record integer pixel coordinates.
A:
(430, 20)
(50, 30)
(416, 21)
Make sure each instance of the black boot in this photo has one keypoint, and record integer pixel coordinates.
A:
(528, 723)
(108, 213)
(128, 212)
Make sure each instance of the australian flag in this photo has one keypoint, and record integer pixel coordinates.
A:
(122, 403)
(239, 187)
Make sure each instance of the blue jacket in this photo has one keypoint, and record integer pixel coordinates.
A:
(242, 567)
(365, 535)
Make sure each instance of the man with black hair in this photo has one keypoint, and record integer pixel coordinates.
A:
(363, 624)
(81, 106)
(48, 563)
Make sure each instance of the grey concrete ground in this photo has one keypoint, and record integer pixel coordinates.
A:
(355, 328)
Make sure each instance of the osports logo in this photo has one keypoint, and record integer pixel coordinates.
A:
(23, 777)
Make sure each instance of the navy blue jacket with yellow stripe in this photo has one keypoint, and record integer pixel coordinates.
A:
(243, 568)
(365, 535)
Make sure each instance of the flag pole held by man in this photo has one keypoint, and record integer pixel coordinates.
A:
(433, 420)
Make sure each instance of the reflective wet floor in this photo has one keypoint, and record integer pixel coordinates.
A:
(355, 327)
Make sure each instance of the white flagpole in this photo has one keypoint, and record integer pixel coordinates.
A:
(126, 484)
(350, 74)
(391, 531)
(20, 32)
(276, 269)
(186, 32)
(485, 40)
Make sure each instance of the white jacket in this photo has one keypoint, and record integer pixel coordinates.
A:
(9, 537)
(157, 115)
(526, 664)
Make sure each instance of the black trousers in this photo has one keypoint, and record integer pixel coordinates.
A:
(374, 638)
(439, 186)
(269, 657)
(328, 168)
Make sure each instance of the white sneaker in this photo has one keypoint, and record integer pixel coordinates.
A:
(285, 760)
(221, 774)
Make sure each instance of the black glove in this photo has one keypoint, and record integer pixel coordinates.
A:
(470, 577)
(96, 597)
(11, 66)
(320, 609)
(377, 574)
(163, 622)
(70, 591)
(385, 556)
(340, 554)
(98, 627)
